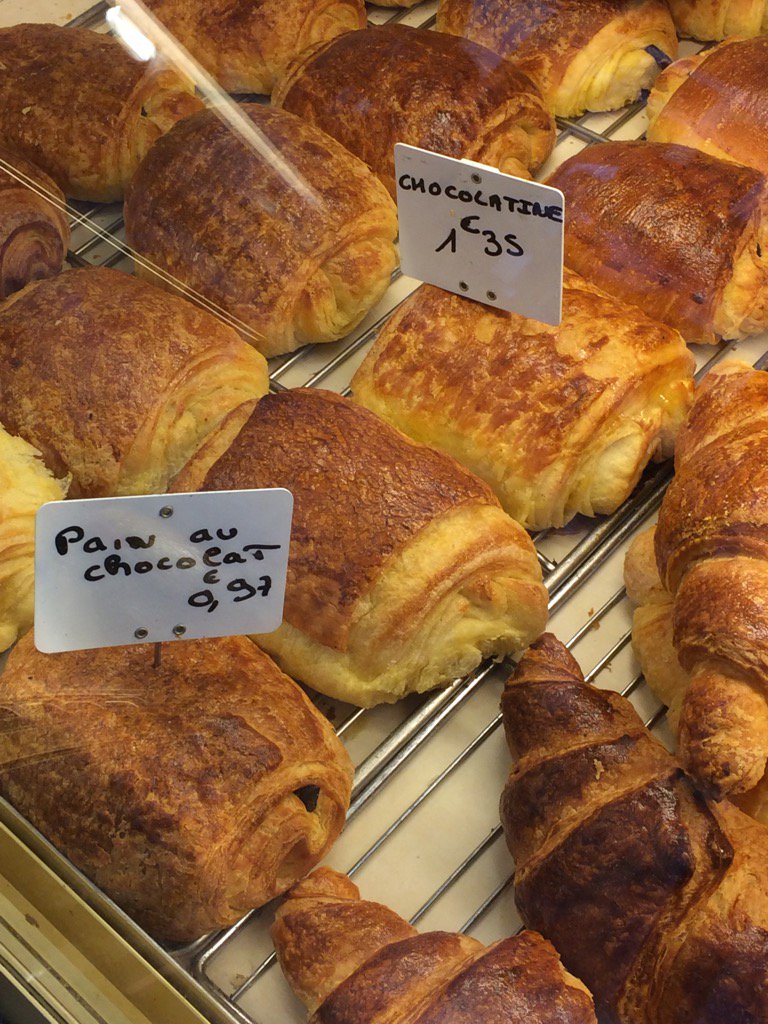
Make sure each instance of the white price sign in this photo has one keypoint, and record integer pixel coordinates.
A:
(117, 571)
(472, 230)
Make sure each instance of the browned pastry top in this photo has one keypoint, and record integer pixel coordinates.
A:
(393, 84)
(662, 224)
(361, 491)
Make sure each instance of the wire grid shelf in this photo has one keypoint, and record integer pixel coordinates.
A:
(422, 831)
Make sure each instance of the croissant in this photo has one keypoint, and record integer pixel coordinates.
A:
(25, 485)
(247, 45)
(34, 230)
(394, 84)
(189, 792)
(557, 420)
(592, 56)
(351, 961)
(657, 900)
(717, 19)
(81, 108)
(118, 383)
(638, 226)
(404, 572)
(711, 597)
(285, 266)
(716, 101)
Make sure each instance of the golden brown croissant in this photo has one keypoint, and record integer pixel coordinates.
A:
(393, 84)
(711, 545)
(81, 108)
(25, 485)
(247, 45)
(558, 420)
(288, 268)
(404, 571)
(583, 56)
(190, 792)
(717, 19)
(34, 230)
(681, 234)
(351, 961)
(655, 899)
(119, 383)
(716, 101)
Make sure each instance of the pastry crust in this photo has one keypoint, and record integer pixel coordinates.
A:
(657, 900)
(679, 233)
(119, 383)
(557, 420)
(25, 485)
(716, 101)
(247, 45)
(34, 230)
(352, 961)
(81, 108)
(286, 267)
(404, 572)
(718, 19)
(177, 789)
(582, 55)
(397, 84)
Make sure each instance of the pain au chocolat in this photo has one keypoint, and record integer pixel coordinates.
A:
(118, 383)
(293, 243)
(718, 19)
(593, 55)
(557, 420)
(679, 233)
(404, 571)
(247, 45)
(82, 108)
(393, 84)
(189, 791)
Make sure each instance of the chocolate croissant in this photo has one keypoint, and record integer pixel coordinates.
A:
(81, 108)
(246, 46)
(717, 19)
(118, 383)
(711, 545)
(657, 900)
(679, 233)
(25, 485)
(288, 266)
(404, 572)
(393, 84)
(189, 792)
(716, 101)
(34, 230)
(558, 420)
(351, 961)
(582, 56)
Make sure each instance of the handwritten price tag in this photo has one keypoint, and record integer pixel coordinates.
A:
(116, 571)
(477, 232)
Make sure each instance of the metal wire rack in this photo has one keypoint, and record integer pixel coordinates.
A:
(423, 832)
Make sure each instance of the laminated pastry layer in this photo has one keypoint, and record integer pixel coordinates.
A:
(716, 101)
(117, 382)
(246, 46)
(293, 244)
(25, 485)
(582, 56)
(397, 84)
(679, 233)
(557, 420)
(717, 19)
(80, 107)
(34, 230)
(191, 792)
(404, 571)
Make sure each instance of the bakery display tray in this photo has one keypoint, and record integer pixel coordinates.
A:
(423, 832)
